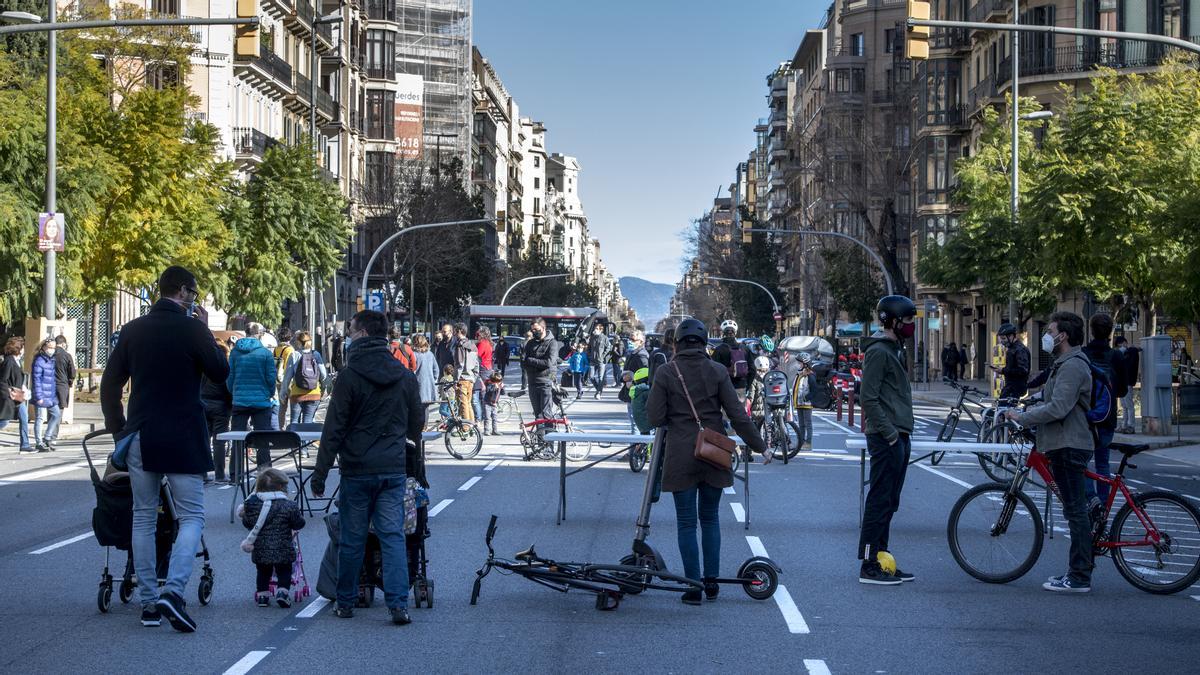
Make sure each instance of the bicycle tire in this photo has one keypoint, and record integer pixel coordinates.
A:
(564, 581)
(972, 525)
(1178, 524)
(643, 578)
(775, 435)
(1002, 467)
(504, 409)
(637, 457)
(462, 439)
(577, 451)
(798, 445)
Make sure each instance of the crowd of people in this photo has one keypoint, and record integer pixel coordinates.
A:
(47, 388)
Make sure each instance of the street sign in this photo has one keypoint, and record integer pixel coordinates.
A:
(930, 306)
(778, 316)
(52, 229)
(375, 301)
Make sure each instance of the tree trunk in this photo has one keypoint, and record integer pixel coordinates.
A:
(1148, 322)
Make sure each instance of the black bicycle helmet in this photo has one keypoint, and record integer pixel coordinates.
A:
(1007, 329)
(691, 329)
(892, 308)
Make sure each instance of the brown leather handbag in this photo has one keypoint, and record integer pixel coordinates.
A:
(712, 447)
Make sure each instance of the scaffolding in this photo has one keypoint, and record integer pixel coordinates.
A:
(435, 43)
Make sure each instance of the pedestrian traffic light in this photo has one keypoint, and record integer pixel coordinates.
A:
(246, 43)
(916, 43)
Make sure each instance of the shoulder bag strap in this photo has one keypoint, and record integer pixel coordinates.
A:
(683, 383)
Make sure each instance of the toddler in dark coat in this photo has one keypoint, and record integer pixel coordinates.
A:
(271, 518)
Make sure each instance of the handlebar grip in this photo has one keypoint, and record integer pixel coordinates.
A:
(491, 531)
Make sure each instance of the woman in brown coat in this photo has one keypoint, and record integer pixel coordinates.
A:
(693, 482)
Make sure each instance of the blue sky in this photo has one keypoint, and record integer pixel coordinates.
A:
(657, 98)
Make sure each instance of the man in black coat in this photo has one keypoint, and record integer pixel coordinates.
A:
(540, 364)
(163, 355)
(64, 370)
(1130, 362)
(375, 406)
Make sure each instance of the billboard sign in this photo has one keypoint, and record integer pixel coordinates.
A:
(410, 115)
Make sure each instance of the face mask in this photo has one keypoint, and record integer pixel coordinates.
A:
(1122, 349)
(906, 330)
(1047, 342)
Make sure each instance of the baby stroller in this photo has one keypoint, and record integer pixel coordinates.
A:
(112, 522)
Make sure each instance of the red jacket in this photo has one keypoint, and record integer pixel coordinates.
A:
(404, 354)
(484, 347)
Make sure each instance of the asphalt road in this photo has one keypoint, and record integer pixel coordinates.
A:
(804, 516)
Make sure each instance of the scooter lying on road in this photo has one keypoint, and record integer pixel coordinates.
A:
(643, 569)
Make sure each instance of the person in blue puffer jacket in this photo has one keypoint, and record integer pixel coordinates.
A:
(578, 364)
(252, 383)
(45, 396)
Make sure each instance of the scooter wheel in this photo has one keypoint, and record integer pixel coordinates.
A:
(759, 579)
(104, 598)
(204, 590)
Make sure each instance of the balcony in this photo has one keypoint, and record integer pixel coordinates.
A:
(298, 100)
(327, 107)
(953, 116)
(325, 38)
(300, 21)
(277, 8)
(955, 39)
(267, 70)
(250, 144)
(1073, 59)
(987, 10)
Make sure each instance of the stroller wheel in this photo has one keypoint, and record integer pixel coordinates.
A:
(125, 592)
(204, 590)
(104, 598)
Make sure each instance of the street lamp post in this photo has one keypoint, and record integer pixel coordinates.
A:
(774, 305)
(887, 278)
(1015, 193)
(313, 76)
(516, 283)
(395, 236)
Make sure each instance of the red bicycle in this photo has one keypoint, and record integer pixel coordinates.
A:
(996, 531)
(535, 445)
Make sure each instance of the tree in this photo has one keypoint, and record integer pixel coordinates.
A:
(565, 292)
(851, 282)
(760, 263)
(986, 251)
(287, 224)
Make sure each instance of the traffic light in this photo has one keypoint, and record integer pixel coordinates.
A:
(916, 42)
(747, 231)
(246, 43)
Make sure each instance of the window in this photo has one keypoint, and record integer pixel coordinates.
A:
(857, 45)
(381, 10)
(379, 176)
(537, 205)
(165, 7)
(550, 184)
(381, 54)
(889, 40)
(537, 183)
(381, 114)
(847, 80)
(162, 75)
(537, 161)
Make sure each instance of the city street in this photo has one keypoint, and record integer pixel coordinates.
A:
(804, 516)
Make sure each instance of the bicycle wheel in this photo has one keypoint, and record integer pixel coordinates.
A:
(565, 577)
(637, 457)
(1174, 563)
(641, 578)
(577, 451)
(1000, 466)
(775, 436)
(504, 409)
(463, 440)
(995, 536)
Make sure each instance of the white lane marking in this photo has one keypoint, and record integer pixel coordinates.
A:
(738, 512)
(467, 485)
(318, 603)
(440, 507)
(42, 473)
(729, 491)
(816, 667)
(247, 662)
(756, 546)
(827, 421)
(943, 474)
(227, 487)
(493, 465)
(791, 614)
(1196, 597)
(60, 544)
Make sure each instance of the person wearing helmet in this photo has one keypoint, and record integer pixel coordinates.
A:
(767, 344)
(802, 387)
(887, 409)
(732, 354)
(692, 382)
(1016, 363)
(755, 393)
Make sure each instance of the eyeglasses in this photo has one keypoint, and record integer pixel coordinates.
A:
(195, 293)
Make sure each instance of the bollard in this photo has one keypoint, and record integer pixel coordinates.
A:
(850, 408)
(839, 391)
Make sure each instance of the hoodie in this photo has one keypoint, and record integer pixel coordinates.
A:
(885, 394)
(251, 374)
(375, 406)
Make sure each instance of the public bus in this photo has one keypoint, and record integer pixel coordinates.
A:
(565, 323)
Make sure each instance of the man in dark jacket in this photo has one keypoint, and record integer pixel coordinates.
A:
(638, 357)
(663, 355)
(950, 362)
(375, 406)
(540, 364)
(443, 347)
(1108, 360)
(64, 371)
(1130, 360)
(1016, 363)
(964, 362)
(164, 353)
(886, 398)
(731, 354)
(597, 351)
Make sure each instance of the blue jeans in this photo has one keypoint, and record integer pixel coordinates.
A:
(598, 376)
(55, 417)
(23, 420)
(376, 500)
(303, 412)
(258, 419)
(187, 491)
(1068, 465)
(709, 499)
(1104, 439)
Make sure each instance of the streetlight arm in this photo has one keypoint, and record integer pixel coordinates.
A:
(521, 281)
(774, 305)
(121, 23)
(891, 289)
(413, 228)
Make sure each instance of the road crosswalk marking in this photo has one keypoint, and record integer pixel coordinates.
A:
(247, 662)
(739, 512)
(60, 544)
(440, 507)
(816, 667)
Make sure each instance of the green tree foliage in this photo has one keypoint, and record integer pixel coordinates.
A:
(987, 252)
(760, 263)
(287, 222)
(563, 292)
(851, 281)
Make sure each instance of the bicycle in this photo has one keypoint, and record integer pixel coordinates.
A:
(775, 425)
(535, 445)
(990, 429)
(462, 437)
(996, 532)
(504, 409)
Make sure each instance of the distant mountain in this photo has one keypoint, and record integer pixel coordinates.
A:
(651, 301)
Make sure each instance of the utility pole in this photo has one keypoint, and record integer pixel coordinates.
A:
(1015, 193)
(49, 284)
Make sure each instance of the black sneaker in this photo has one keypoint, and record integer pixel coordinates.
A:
(174, 608)
(1066, 584)
(711, 589)
(283, 597)
(692, 597)
(400, 616)
(262, 599)
(343, 612)
(150, 616)
(874, 575)
(904, 576)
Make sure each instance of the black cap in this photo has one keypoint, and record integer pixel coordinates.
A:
(894, 307)
(691, 328)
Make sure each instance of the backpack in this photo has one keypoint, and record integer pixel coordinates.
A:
(1101, 406)
(738, 366)
(282, 354)
(308, 374)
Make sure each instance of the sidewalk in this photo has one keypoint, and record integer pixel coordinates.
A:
(938, 393)
(88, 418)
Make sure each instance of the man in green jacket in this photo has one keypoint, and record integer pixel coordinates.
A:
(886, 399)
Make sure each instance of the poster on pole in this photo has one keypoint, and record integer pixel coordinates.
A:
(410, 115)
(52, 228)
